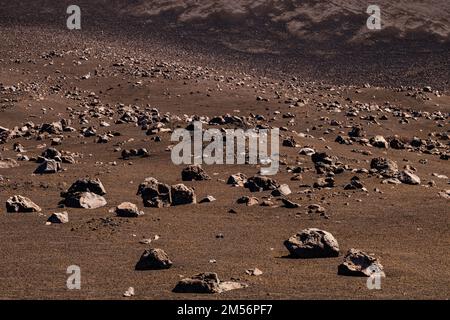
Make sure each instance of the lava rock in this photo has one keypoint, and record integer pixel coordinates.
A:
(200, 283)
(154, 259)
(59, 217)
(19, 203)
(155, 194)
(194, 172)
(360, 264)
(128, 210)
(85, 200)
(238, 179)
(182, 195)
(312, 243)
(48, 166)
(258, 184)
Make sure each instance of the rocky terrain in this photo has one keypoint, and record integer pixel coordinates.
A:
(86, 176)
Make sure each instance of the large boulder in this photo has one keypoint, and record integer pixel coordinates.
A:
(312, 243)
(360, 264)
(85, 200)
(87, 185)
(21, 204)
(194, 172)
(153, 259)
(154, 194)
(182, 194)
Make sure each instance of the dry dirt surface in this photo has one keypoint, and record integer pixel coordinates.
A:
(97, 94)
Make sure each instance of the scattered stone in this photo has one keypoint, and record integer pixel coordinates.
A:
(238, 179)
(182, 195)
(85, 200)
(129, 293)
(18, 203)
(360, 264)
(254, 272)
(208, 199)
(379, 142)
(8, 163)
(194, 172)
(59, 217)
(407, 177)
(153, 259)
(206, 283)
(259, 183)
(249, 201)
(290, 204)
(128, 210)
(312, 243)
(384, 165)
(48, 167)
(282, 190)
(155, 194)
(87, 185)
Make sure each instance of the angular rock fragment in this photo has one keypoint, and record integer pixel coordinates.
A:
(324, 183)
(85, 200)
(360, 264)
(8, 163)
(59, 217)
(355, 183)
(87, 185)
(4, 134)
(182, 195)
(290, 204)
(206, 283)
(249, 201)
(48, 166)
(194, 172)
(155, 194)
(312, 243)
(407, 177)
(282, 190)
(154, 259)
(259, 183)
(238, 179)
(128, 210)
(208, 199)
(379, 142)
(200, 283)
(384, 165)
(19, 203)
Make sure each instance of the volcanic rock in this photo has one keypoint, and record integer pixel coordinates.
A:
(182, 194)
(21, 204)
(153, 259)
(312, 243)
(194, 172)
(128, 210)
(155, 194)
(360, 264)
(59, 217)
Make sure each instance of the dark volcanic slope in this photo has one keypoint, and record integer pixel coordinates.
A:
(318, 40)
